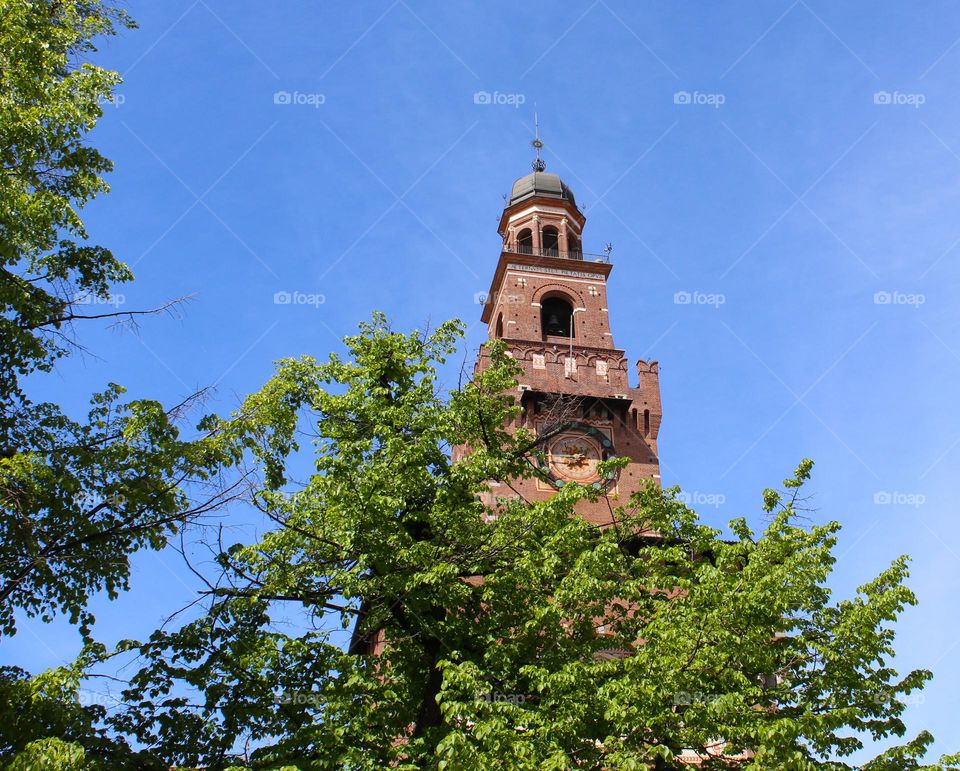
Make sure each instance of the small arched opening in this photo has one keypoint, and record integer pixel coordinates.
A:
(556, 317)
(498, 327)
(551, 241)
(574, 249)
(525, 241)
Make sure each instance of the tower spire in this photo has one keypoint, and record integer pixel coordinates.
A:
(537, 144)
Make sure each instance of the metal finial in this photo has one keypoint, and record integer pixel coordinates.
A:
(537, 144)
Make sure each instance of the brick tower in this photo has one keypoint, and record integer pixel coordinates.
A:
(548, 302)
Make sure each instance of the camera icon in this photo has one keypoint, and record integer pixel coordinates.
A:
(482, 97)
(682, 97)
(481, 298)
(882, 497)
(282, 298)
(682, 298)
(882, 298)
(883, 97)
(282, 97)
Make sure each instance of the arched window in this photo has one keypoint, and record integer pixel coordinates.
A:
(498, 329)
(574, 250)
(551, 241)
(525, 241)
(646, 422)
(556, 317)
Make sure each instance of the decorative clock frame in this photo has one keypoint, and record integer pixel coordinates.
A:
(602, 442)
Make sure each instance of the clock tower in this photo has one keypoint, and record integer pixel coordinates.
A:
(548, 303)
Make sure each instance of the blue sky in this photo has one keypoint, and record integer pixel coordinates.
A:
(791, 166)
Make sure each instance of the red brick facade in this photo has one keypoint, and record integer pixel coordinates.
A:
(548, 302)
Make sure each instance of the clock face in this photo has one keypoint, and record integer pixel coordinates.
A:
(574, 453)
(574, 458)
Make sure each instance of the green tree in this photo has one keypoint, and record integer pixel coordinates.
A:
(515, 635)
(77, 497)
(50, 722)
(489, 617)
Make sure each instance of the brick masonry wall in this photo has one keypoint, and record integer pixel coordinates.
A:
(586, 367)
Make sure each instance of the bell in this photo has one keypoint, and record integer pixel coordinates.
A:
(553, 325)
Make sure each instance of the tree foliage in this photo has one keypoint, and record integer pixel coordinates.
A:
(388, 617)
(517, 636)
(77, 497)
(50, 722)
(49, 101)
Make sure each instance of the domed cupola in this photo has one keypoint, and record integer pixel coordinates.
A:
(541, 217)
(541, 183)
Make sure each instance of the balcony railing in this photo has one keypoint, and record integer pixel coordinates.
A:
(546, 251)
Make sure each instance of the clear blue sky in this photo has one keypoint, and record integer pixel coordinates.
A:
(815, 164)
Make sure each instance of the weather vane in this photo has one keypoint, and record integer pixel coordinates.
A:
(537, 144)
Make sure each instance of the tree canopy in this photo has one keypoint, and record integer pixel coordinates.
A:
(77, 496)
(510, 636)
(388, 617)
